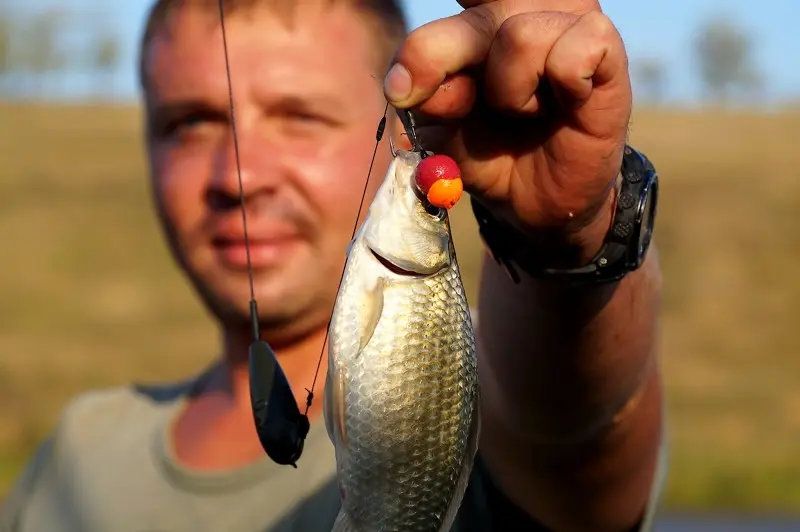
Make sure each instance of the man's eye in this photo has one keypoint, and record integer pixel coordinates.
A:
(188, 125)
(304, 117)
(185, 123)
(307, 124)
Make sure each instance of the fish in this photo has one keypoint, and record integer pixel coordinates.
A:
(401, 397)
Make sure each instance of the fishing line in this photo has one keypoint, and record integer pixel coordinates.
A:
(378, 137)
(266, 392)
(253, 304)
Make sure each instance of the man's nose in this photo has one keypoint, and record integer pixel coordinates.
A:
(244, 166)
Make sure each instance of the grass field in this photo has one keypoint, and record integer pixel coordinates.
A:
(89, 297)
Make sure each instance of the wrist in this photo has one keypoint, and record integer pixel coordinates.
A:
(570, 246)
(589, 238)
(610, 245)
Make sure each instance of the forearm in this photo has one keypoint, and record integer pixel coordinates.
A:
(572, 395)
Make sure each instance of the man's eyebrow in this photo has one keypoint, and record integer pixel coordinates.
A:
(161, 112)
(176, 107)
(331, 106)
(303, 102)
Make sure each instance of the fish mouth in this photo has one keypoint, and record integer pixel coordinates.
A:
(394, 268)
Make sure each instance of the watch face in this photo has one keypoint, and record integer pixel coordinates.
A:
(648, 218)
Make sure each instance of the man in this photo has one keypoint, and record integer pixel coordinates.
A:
(532, 98)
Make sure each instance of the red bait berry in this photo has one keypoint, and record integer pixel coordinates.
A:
(439, 179)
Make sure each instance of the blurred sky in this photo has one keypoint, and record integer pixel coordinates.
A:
(661, 29)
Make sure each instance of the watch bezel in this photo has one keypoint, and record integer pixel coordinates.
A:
(623, 251)
(650, 192)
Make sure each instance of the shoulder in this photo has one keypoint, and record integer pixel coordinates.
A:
(94, 414)
(94, 418)
(88, 424)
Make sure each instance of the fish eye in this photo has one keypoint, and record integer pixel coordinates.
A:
(436, 212)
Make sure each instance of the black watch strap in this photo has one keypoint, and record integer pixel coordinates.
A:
(622, 250)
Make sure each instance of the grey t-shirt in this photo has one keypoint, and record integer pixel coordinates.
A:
(107, 468)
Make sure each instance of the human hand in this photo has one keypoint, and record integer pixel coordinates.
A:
(532, 99)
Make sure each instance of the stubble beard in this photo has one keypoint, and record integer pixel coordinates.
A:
(283, 318)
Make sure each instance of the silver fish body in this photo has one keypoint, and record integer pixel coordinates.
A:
(401, 396)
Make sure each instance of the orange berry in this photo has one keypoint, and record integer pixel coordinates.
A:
(445, 193)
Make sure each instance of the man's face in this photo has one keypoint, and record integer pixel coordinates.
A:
(307, 105)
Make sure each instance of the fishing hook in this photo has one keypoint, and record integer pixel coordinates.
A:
(410, 125)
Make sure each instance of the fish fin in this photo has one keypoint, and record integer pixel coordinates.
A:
(475, 429)
(349, 247)
(327, 405)
(334, 398)
(373, 309)
(343, 523)
(466, 469)
(334, 407)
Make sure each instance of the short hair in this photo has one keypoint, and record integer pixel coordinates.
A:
(385, 19)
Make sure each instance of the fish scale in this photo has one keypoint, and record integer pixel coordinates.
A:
(401, 398)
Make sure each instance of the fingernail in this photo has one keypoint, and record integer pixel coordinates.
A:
(397, 83)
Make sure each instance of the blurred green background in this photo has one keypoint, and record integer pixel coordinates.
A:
(90, 298)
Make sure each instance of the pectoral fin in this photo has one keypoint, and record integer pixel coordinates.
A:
(334, 407)
(335, 395)
(342, 523)
(349, 247)
(466, 468)
(372, 311)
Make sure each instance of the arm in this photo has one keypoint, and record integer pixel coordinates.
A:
(570, 382)
(572, 396)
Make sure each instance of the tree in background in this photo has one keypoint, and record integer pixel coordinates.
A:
(40, 54)
(30, 50)
(104, 58)
(6, 27)
(5, 45)
(724, 57)
(8, 63)
(52, 47)
(650, 74)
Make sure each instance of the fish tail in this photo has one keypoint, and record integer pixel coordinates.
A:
(343, 523)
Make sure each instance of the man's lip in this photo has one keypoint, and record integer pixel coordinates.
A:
(254, 235)
(223, 241)
(259, 252)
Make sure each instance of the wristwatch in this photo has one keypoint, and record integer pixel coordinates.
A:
(624, 247)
